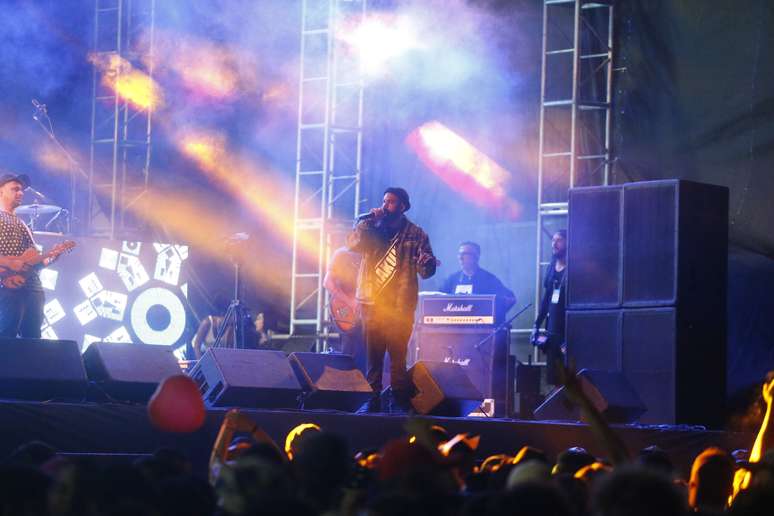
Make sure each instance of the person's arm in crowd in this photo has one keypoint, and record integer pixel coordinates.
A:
(611, 441)
(426, 261)
(233, 422)
(765, 437)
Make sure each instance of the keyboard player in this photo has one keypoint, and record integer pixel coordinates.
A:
(471, 279)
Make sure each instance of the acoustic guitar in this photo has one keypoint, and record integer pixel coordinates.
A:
(10, 278)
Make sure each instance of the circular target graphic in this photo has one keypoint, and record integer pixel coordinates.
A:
(158, 304)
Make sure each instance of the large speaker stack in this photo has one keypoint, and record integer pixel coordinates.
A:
(647, 269)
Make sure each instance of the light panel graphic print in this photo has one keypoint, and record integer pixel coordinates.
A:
(117, 291)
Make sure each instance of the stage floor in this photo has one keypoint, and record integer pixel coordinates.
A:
(109, 428)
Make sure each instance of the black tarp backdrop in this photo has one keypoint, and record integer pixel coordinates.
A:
(694, 100)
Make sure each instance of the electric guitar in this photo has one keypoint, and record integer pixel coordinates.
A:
(343, 315)
(13, 279)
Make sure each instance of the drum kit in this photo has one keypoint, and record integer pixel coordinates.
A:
(43, 218)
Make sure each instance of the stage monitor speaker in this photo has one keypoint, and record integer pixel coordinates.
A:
(330, 381)
(594, 247)
(593, 338)
(675, 244)
(443, 389)
(609, 392)
(40, 369)
(246, 378)
(129, 372)
(483, 360)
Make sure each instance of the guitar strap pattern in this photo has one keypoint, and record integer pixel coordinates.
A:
(387, 265)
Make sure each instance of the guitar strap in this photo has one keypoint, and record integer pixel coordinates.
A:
(387, 265)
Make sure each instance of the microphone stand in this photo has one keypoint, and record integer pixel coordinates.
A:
(41, 114)
(501, 326)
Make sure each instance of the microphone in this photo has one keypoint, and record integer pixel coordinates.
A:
(367, 216)
(35, 192)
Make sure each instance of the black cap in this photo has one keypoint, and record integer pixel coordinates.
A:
(22, 179)
(401, 194)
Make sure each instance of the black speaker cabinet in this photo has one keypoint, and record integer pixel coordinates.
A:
(675, 244)
(672, 356)
(594, 247)
(593, 338)
(648, 244)
(39, 369)
(246, 378)
(330, 381)
(609, 392)
(129, 372)
(443, 389)
(484, 360)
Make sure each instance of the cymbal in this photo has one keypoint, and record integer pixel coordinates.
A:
(37, 209)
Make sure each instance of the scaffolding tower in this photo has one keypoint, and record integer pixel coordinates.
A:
(119, 164)
(576, 93)
(328, 155)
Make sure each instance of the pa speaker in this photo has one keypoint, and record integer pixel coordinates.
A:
(675, 245)
(609, 392)
(330, 381)
(246, 378)
(129, 372)
(594, 247)
(443, 389)
(593, 338)
(39, 369)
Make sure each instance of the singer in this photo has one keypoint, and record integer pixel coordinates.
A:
(394, 250)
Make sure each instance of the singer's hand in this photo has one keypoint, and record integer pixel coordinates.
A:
(425, 258)
(378, 213)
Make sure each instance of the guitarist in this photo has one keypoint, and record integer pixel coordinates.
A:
(341, 283)
(21, 309)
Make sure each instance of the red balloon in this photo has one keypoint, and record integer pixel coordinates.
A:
(177, 405)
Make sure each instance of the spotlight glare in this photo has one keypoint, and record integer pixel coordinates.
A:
(379, 39)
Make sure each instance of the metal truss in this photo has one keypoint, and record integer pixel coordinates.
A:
(328, 155)
(576, 93)
(120, 130)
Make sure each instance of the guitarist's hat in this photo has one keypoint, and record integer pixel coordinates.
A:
(22, 179)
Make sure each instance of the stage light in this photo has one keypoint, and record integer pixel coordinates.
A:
(129, 83)
(379, 39)
(173, 313)
(462, 166)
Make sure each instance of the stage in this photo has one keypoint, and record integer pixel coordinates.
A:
(123, 431)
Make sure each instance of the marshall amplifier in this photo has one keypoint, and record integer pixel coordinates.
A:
(442, 310)
(481, 355)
